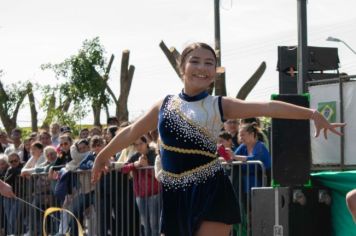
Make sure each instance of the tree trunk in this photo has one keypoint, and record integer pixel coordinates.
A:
(9, 121)
(96, 106)
(33, 110)
(51, 106)
(173, 57)
(251, 82)
(125, 85)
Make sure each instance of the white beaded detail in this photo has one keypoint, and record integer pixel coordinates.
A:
(194, 176)
(202, 131)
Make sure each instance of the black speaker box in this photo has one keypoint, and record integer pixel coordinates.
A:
(297, 212)
(291, 154)
(319, 59)
(288, 84)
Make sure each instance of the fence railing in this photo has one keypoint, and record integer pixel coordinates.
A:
(120, 204)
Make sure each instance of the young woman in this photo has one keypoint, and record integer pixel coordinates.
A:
(197, 196)
(146, 187)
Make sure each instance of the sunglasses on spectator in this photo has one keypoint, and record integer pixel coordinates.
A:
(64, 144)
(13, 161)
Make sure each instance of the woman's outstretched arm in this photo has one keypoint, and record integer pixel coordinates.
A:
(235, 108)
(124, 138)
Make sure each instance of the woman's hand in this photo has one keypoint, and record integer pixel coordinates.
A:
(6, 190)
(100, 166)
(321, 123)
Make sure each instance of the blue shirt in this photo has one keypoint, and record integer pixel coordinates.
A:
(259, 153)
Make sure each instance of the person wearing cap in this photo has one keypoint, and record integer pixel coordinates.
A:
(65, 130)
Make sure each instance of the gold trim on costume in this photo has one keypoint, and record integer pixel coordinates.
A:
(188, 151)
(190, 172)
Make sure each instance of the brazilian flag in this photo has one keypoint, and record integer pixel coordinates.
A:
(328, 110)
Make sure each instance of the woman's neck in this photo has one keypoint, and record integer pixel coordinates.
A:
(193, 92)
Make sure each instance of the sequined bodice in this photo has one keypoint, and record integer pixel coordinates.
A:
(189, 131)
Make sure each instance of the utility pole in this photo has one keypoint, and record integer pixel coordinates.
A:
(220, 87)
(302, 46)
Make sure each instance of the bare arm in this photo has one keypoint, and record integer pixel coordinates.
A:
(124, 138)
(6, 190)
(235, 108)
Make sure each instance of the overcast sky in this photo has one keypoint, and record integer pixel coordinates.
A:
(48, 31)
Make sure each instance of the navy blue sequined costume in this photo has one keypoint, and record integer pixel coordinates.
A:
(195, 188)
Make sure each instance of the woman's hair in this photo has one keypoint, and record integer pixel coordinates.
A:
(13, 154)
(225, 135)
(67, 137)
(49, 149)
(97, 140)
(253, 128)
(189, 49)
(3, 157)
(38, 145)
(112, 130)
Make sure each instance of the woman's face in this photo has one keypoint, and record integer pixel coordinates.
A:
(35, 152)
(96, 148)
(199, 70)
(246, 137)
(51, 156)
(14, 161)
(3, 165)
(140, 146)
(65, 144)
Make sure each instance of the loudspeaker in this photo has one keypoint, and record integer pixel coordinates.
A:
(288, 84)
(291, 211)
(291, 153)
(320, 58)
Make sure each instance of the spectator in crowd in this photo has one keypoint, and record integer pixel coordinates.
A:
(65, 130)
(252, 149)
(15, 146)
(261, 136)
(36, 159)
(110, 133)
(4, 141)
(225, 139)
(54, 132)
(129, 224)
(3, 168)
(3, 165)
(95, 130)
(65, 180)
(43, 195)
(86, 194)
(25, 153)
(232, 127)
(125, 154)
(84, 133)
(13, 206)
(112, 120)
(45, 138)
(64, 155)
(146, 187)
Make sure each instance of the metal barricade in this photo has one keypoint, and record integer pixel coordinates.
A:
(244, 176)
(120, 204)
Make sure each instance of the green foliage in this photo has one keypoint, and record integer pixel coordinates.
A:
(55, 113)
(82, 73)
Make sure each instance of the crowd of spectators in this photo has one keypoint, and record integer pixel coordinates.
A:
(57, 164)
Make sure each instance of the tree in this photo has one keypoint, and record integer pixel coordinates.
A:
(82, 74)
(11, 99)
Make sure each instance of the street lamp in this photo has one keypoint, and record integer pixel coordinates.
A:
(332, 39)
